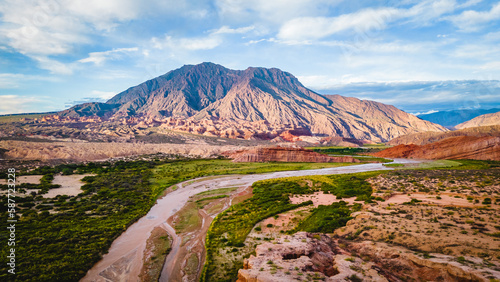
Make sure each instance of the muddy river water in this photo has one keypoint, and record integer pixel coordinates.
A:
(124, 260)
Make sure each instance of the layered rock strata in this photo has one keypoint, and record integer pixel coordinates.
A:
(285, 154)
(462, 147)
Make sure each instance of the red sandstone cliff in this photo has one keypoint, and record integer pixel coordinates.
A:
(282, 154)
(461, 147)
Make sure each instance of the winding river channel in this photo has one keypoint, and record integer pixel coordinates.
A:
(124, 260)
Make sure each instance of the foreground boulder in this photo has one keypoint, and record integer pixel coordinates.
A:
(318, 257)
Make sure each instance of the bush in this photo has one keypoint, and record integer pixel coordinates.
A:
(487, 201)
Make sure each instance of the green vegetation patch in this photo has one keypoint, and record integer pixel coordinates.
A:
(63, 245)
(438, 164)
(337, 150)
(231, 227)
(44, 186)
(175, 172)
(19, 117)
(217, 191)
(326, 219)
(394, 165)
(271, 197)
(188, 219)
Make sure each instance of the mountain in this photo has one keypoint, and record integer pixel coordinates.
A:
(483, 120)
(452, 118)
(217, 100)
(90, 109)
(423, 138)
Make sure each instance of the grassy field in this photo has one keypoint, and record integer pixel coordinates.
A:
(188, 218)
(175, 172)
(338, 150)
(357, 153)
(448, 164)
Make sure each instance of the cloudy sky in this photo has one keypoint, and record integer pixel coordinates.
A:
(418, 55)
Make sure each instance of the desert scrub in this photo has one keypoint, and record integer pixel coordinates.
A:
(270, 198)
(231, 227)
(326, 219)
(66, 244)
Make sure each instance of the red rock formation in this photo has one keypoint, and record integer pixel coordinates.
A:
(294, 134)
(423, 138)
(282, 154)
(462, 147)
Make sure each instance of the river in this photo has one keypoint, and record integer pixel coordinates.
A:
(124, 260)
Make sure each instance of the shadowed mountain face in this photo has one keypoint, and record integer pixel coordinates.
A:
(210, 91)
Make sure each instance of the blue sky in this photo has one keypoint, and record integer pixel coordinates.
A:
(418, 55)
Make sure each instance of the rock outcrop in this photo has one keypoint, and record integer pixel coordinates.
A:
(92, 151)
(483, 120)
(319, 258)
(462, 147)
(399, 264)
(285, 154)
(304, 255)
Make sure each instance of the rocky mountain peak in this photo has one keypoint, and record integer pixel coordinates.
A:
(208, 90)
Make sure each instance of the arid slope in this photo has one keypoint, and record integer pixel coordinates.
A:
(483, 120)
(461, 147)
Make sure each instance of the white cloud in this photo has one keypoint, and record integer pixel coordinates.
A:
(491, 66)
(478, 52)
(472, 20)
(15, 80)
(198, 43)
(40, 27)
(492, 36)
(105, 15)
(470, 3)
(43, 29)
(420, 96)
(275, 12)
(99, 58)
(14, 104)
(429, 10)
(228, 30)
(54, 66)
(10, 80)
(310, 28)
(365, 23)
(212, 40)
(102, 94)
(425, 113)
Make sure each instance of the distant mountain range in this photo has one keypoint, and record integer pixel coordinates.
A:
(208, 94)
(452, 118)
